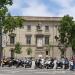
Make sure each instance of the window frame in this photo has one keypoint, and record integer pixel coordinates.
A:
(47, 52)
(28, 27)
(38, 28)
(12, 39)
(28, 39)
(46, 27)
(46, 40)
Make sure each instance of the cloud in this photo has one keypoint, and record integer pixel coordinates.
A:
(68, 7)
(36, 9)
(63, 3)
(29, 8)
(70, 11)
(42, 8)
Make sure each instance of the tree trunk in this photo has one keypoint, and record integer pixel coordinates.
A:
(73, 50)
(62, 53)
(1, 52)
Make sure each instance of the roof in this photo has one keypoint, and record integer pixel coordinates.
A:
(37, 18)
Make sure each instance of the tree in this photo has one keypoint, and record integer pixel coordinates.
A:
(7, 22)
(72, 38)
(29, 51)
(11, 23)
(66, 33)
(17, 48)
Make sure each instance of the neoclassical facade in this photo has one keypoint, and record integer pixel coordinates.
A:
(36, 35)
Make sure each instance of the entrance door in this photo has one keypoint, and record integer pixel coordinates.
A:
(39, 44)
(39, 41)
(12, 53)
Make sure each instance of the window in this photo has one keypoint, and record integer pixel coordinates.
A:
(46, 28)
(46, 52)
(12, 39)
(12, 53)
(46, 39)
(28, 27)
(28, 39)
(38, 27)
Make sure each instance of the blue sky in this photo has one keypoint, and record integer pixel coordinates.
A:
(42, 8)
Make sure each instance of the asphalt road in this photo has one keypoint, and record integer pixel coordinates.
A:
(23, 71)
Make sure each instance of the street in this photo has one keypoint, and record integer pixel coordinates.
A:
(29, 71)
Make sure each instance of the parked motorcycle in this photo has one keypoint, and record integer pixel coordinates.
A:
(59, 64)
(28, 63)
(7, 62)
(49, 64)
(66, 64)
(39, 63)
(20, 63)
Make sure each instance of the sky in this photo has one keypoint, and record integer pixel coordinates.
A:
(48, 8)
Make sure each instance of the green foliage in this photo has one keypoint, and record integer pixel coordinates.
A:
(11, 23)
(29, 51)
(17, 48)
(3, 11)
(3, 7)
(67, 33)
(73, 46)
(72, 38)
(65, 28)
(8, 22)
(3, 3)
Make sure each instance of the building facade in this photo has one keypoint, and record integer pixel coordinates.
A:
(37, 34)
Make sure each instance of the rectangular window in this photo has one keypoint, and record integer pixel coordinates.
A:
(46, 52)
(28, 39)
(46, 39)
(12, 39)
(28, 27)
(46, 28)
(38, 28)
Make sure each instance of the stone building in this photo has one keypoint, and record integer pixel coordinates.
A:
(36, 35)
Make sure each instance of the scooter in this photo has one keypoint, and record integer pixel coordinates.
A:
(59, 65)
